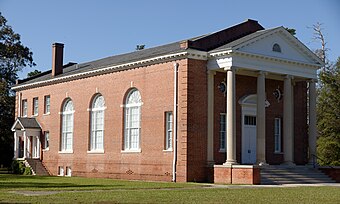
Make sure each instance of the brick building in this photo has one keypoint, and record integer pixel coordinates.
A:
(211, 108)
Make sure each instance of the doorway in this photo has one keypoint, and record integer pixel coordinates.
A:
(248, 154)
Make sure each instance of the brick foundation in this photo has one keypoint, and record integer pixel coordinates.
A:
(237, 174)
(334, 172)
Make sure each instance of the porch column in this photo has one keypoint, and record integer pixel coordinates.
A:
(15, 145)
(261, 120)
(210, 144)
(25, 144)
(288, 136)
(312, 121)
(231, 117)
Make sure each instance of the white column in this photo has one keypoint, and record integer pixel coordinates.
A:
(261, 120)
(288, 136)
(15, 145)
(25, 144)
(312, 121)
(210, 144)
(231, 117)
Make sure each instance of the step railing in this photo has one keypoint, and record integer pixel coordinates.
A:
(315, 162)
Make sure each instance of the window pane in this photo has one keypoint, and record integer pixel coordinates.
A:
(67, 126)
(132, 120)
(168, 136)
(222, 131)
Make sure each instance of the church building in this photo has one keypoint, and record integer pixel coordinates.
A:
(214, 108)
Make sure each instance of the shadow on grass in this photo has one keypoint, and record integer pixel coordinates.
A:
(12, 181)
(56, 186)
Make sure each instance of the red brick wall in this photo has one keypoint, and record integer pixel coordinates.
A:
(300, 123)
(236, 175)
(155, 84)
(197, 120)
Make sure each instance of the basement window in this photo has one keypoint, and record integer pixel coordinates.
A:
(60, 171)
(68, 171)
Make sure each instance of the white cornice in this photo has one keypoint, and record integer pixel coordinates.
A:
(270, 58)
(190, 53)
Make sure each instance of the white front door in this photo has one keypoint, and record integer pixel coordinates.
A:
(249, 139)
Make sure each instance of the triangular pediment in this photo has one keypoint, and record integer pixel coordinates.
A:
(290, 47)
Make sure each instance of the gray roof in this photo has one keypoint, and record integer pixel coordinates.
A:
(244, 39)
(28, 123)
(110, 61)
(206, 42)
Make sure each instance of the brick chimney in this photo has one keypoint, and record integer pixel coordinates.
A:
(57, 59)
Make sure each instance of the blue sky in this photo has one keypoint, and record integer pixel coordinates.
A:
(92, 30)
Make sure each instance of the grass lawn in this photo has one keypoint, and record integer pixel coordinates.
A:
(34, 189)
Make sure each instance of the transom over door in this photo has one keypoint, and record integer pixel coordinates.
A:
(249, 139)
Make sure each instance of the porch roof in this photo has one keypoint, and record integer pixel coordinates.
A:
(25, 123)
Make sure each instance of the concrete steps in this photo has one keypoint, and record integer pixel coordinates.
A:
(281, 174)
(37, 167)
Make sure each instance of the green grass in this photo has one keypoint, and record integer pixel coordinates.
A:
(91, 190)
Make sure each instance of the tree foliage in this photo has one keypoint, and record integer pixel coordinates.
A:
(328, 110)
(14, 56)
(33, 73)
(328, 104)
(291, 31)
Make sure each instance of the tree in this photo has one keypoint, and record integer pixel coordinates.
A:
(33, 73)
(328, 110)
(291, 31)
(14, 56)
(328, 104)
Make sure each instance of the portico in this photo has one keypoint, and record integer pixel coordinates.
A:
(273, 55)
(27, 143)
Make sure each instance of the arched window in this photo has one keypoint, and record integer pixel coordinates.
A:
(132, 120)
(67, 126)
(97, 123)
(276, 48)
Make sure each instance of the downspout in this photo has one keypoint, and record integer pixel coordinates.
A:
(174, 162)
(19, 105)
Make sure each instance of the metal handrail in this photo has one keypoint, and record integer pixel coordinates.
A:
(315, 161)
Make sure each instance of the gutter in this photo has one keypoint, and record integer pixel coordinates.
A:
(174, 162)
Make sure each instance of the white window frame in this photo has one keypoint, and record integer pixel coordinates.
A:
(95, 130)
(35, 106)
(47, 104)
(168, 130)
(132, 123)
(223, 132)
(277, 135)
(68, 171)
(24, 108)
(47, 140)
(60, 171)
(66, 145)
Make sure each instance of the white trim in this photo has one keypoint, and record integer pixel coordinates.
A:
(131, 151)
(97, 151)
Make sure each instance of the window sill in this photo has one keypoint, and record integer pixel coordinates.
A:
(66, 152)
(45, 114)
(278, 153)
(95, 152)
(46, 150)
(168, 150)
(131, 151)
(36, 115)
(222, 151)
